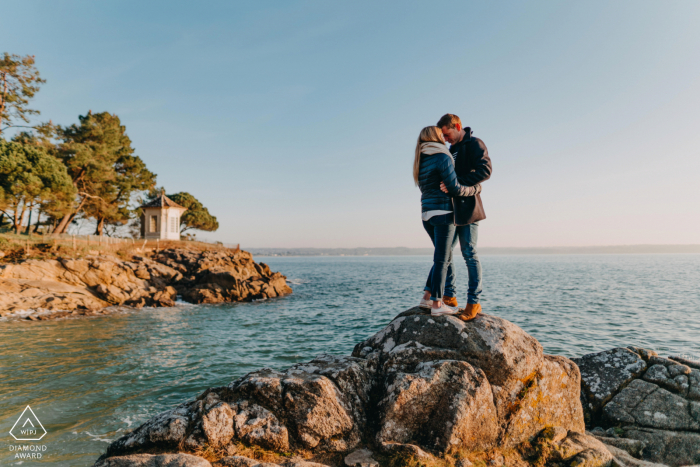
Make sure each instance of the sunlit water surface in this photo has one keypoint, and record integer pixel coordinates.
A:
(89, 380)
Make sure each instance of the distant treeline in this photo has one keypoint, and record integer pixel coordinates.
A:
(401, 251)
(61, 174)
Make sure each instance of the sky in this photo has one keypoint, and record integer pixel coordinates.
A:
(295, 122)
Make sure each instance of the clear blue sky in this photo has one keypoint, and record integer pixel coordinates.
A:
(295, 121)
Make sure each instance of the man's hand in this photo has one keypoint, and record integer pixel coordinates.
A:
(443, 187)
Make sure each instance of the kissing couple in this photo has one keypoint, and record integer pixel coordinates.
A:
(450, 185)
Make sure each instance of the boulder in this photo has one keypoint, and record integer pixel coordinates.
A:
(603, 375)
(257, 425)
(420, 387)
(501, 349)
(647, 405)
(653, 414)
(312, 404)
(550, 398)
(442, 405)
(164, 431)
(667, 447)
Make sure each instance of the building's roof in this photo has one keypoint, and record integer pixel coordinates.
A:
(163, 201)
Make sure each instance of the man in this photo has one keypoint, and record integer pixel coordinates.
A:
(472, 166)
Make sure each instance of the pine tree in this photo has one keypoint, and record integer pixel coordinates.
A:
(19, 81)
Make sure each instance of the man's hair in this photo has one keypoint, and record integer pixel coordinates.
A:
(449, 120)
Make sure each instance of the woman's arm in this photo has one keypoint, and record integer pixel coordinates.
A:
(449, 178)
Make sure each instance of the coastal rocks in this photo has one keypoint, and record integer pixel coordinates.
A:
(652, 411)
(220, 276)
(441, 405)
(423, 387)
(557, 447)
(150, 460)
(360, 458)
(312, 405)
(501, 349)
(529, 390)
(603, 375)
(647, 405)
(551, 397)
(63, 287)
(241, 461)
(23, 294)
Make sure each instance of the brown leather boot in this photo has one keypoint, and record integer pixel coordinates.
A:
(450, 301)
(470, 311)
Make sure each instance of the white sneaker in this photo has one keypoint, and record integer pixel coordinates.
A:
(444, 310)
(425, 303)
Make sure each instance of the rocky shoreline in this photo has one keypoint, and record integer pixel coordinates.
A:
(644, 404)
(436, 392)
(96, 284)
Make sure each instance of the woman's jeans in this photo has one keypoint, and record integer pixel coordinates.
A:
(442, 232)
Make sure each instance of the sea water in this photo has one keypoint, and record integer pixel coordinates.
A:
(90, 380)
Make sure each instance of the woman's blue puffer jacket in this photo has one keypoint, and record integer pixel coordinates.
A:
(436, 168)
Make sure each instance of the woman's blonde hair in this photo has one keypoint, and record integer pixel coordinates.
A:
(427, 134)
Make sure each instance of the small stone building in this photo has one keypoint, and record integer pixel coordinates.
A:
(161, 219)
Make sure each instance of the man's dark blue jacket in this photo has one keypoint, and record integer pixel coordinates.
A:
(472, 165)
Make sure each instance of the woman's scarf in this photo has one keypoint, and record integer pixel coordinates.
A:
(432, 147)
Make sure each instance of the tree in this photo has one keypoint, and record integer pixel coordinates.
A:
(196, 216)
(19, 81)
(30, 178)
(99, 158)
(43, 136)
(111, 207)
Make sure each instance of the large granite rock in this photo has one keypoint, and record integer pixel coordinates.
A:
(441, 405)
(603, 375)
(530, 390)
(422, 386)
(56, 288)
(645, 404)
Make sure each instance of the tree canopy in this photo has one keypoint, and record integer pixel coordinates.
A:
(29, 178)
(19, 81)
(197, 216)
(101, 162)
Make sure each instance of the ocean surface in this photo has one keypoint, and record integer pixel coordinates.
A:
(89, 380)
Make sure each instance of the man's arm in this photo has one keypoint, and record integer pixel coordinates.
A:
(452, 186)
(482, 171)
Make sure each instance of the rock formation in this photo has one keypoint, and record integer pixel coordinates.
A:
(423, 391)
(643, 404)
(88, 285)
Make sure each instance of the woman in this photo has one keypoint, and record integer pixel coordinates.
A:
(433, 164)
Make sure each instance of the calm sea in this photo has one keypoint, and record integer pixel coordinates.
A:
(89, 380)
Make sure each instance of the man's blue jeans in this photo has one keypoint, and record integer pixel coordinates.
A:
(441, 275)
(468, 235)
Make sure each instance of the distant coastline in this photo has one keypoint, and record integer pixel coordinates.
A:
(403, 251)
